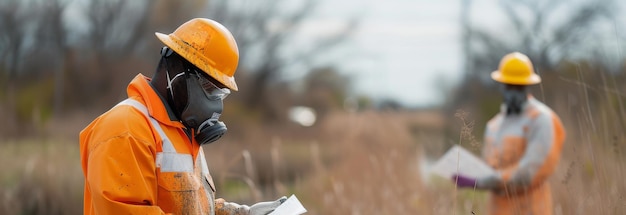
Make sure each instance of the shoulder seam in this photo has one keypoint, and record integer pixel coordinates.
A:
(121, 135)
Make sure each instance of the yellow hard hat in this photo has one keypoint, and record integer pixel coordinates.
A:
(516, 68)
(209, 46)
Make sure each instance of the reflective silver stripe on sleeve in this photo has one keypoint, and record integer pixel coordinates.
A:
(168, 160)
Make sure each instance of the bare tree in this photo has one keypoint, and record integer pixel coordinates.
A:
(539, 34)
(264, 31)
(116, 31)
(52, 34)
(14, 38)
(170, 14)
(116, 26)
(18, 43)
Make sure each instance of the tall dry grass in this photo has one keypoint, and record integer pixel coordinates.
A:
(354, 163)
(350, 163)
(40, 176)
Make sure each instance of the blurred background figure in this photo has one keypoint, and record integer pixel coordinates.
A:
(523, 143)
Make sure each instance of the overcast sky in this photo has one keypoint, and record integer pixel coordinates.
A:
(401, 47)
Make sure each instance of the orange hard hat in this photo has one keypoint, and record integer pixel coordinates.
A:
(209, 46)
(516, 68)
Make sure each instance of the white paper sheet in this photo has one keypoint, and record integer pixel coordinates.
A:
(457, 160)
(290, 207)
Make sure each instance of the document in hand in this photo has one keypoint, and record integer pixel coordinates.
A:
(290, 207)
(457, 160)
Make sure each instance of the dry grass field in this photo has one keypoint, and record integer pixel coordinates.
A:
(350, 163)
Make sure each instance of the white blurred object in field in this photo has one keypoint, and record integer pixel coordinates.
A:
(304, 116)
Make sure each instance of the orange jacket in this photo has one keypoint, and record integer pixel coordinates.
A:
(525, 150)
(138, 159)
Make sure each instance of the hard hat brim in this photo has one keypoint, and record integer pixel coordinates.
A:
(533, 79)
(191, 55)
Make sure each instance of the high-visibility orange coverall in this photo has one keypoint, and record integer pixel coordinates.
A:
(137, 159)
(525, 150)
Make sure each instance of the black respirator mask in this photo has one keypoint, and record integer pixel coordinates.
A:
(514, 99)
(204, 104)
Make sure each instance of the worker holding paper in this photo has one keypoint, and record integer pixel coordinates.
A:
(144, 155)
(523, 144)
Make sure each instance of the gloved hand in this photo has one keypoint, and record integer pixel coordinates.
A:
(263, 208)
(463, 181)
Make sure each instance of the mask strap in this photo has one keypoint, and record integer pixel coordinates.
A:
(169, 81)
(167, 73)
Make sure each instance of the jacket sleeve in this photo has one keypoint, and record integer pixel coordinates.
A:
(122, 177)
(543, 151)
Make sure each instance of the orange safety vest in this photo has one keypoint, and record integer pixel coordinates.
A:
(137, 161)
(525, 149)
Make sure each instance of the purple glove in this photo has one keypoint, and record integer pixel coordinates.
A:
(463, 181)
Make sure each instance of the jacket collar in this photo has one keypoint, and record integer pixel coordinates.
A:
(141, 90)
